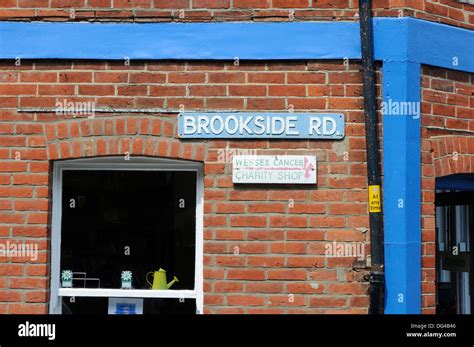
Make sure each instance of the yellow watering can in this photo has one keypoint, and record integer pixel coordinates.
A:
(159, 280)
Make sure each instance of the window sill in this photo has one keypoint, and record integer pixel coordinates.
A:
(127, 293)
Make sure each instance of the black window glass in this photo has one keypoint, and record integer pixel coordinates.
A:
(138, 221)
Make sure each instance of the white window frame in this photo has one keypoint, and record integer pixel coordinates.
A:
(120, 164)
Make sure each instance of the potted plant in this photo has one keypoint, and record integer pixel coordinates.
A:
(66, 278)
(126, 279)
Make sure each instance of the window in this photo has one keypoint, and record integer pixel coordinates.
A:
(141, 215)
(454, 235)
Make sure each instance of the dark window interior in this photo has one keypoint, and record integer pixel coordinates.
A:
(107, 213)
(457, 212)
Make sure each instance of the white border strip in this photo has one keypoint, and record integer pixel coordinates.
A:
(118, 163)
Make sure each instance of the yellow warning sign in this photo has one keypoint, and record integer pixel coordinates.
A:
(374, 199)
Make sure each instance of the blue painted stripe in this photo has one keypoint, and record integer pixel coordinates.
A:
(396, 39)
(390, 39)
(401, 189)
(224, 41)
(440, 45)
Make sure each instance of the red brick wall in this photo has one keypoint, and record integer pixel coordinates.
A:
(445, 11)
(447, 148)
(280, 266)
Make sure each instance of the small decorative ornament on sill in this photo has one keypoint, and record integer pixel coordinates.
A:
(126, 279)
(66, 278)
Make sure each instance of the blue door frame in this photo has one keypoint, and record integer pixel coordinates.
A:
(402, 44)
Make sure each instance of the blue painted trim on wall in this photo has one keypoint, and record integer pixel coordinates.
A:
(440, 45)
(401, 43)
(390, 39)
(456, 182)
(396, 39)
(190, 41)
(401, 189)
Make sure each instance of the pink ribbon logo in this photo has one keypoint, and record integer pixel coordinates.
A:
(308, 167)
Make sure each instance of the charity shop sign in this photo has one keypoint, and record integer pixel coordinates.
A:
(275, 169)
(260, 125)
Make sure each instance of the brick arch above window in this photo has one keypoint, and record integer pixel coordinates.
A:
(452, 155)
(129, 135)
